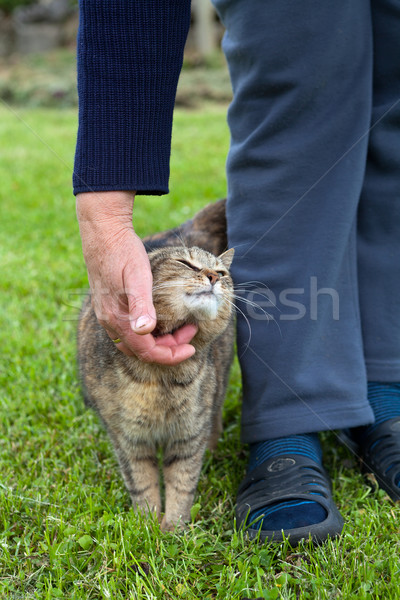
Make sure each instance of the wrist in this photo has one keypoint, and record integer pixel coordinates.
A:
(106, 207)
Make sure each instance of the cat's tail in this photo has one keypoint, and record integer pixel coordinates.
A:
(206, 230)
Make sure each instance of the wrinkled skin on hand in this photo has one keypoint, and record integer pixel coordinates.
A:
(121, 281)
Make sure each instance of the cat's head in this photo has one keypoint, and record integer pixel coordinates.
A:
(191, 285)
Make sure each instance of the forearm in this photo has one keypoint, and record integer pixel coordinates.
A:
(129, 59)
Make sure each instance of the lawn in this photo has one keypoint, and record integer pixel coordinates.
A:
(67, 529)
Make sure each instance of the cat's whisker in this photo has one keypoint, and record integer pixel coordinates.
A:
(247, 321)
(253, 282)
(255, 305)
(180, 238)
(258, 293)
(243, 287)
(168, 285)
(241, 245)
(252, 303)
(268, 315)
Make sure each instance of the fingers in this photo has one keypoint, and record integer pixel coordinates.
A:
(185, 334)
(167, 350)
(114, 337)
(149, 351)
(124, 349)
(168, 355)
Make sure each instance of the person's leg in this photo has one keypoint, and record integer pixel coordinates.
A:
(379, 212)
(301, 75)
(379, 250)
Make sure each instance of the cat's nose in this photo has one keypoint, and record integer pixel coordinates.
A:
(212, 276)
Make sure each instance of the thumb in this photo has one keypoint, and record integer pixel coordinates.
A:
(145, 322)
(142, 314)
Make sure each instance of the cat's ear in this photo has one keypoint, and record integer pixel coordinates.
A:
(227, 257)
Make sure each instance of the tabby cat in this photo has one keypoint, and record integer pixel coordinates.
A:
(177, 408)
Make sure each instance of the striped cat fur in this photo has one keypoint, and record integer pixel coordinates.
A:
(145, 406)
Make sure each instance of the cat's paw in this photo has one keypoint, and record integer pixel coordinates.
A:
(170, 525)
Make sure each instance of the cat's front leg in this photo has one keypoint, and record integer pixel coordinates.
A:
(215, 431)
(182, 466)
(139, 468)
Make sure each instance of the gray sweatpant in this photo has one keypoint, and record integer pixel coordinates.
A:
(314, 207)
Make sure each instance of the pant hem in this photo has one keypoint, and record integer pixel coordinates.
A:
(306, 422)
(383, 371)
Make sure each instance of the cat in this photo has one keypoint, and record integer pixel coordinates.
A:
(177, 408)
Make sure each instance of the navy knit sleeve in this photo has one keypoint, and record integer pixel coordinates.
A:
(130, 55)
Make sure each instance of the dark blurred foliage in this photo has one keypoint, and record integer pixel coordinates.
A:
(7, 6)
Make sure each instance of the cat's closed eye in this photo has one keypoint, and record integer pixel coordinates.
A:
(197, 269)
(188, 264)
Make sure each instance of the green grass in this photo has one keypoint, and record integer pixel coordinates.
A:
(67, 529)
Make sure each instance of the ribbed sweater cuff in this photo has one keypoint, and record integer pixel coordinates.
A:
(130, 55)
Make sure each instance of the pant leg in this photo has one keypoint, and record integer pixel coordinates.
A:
(379, 214)
(301, 74)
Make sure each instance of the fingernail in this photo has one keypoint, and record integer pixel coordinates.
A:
(141, 322)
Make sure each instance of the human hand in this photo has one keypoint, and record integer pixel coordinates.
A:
(121, 281)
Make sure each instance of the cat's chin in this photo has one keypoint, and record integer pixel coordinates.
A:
(202, 306)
